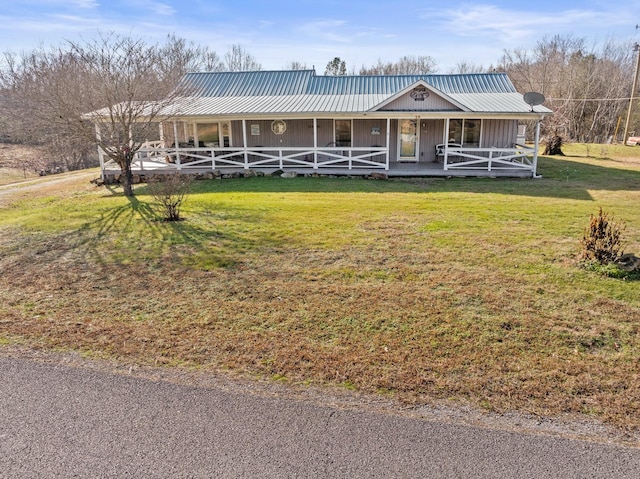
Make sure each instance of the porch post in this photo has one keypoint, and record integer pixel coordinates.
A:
(446, 143)
(535, 149)
(161, 131)
(244, 144)
(388, 138)
(175, 134)
(185, 132)
(176, 144)
(315, 143)
(100, 152)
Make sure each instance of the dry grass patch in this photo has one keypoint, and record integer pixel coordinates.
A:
(19, 162)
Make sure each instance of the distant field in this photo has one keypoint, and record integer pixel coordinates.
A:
(463, 290)
(19, 162)
(604, 152)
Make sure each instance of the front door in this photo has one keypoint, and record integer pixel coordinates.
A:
(408, 140)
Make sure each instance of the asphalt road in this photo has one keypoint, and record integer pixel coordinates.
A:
(62, 421)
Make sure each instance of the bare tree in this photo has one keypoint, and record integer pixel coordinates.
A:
(117, 86)
(237, 60)
(211, 62)
(407, 65)
(336, 67)
(463, 67)
(584, 85)
(295, 65)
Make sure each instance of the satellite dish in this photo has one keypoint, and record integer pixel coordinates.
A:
(533, 98)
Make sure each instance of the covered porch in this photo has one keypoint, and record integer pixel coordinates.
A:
(456, 161)
(355, 146)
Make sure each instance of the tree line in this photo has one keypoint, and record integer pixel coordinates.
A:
(45, 92)
(587, 86)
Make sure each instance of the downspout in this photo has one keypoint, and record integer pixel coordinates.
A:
(535, 150)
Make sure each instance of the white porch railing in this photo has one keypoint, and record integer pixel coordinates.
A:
(488, 159)
(262, 157)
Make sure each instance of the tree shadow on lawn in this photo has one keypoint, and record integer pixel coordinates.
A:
(134, 232)
(560, 178)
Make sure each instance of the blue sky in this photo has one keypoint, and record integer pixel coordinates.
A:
(314, 32)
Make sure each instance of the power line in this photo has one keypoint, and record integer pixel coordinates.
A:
(594, 99)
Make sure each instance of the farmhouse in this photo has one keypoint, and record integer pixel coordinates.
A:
(427, 125)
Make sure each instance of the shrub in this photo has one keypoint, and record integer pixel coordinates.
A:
(170, 192)
(554, 145)
(602, 240)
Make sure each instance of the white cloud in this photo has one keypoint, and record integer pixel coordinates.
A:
(88, 4)
(327, 30)
(509, 25)
(162, 9)
(54, 25)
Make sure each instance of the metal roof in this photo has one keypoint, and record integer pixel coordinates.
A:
(302, 91)
(252, 83)
(306, 82)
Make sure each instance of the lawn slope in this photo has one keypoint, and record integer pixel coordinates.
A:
(424, 289)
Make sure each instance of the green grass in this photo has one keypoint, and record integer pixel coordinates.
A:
(602, 152)
(421, 289)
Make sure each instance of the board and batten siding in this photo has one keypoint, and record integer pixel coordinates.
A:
(299, 133)
(236, 133)
(393, 141)
(369, 133)
(325, 133)
(431, 103)
(499, 133)
(431, 134)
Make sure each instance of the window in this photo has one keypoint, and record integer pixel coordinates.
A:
(226, 134)
(471, 132)
(408, 139)
(209, 134)
(465, 132)
(455, 131)
(343, 132)
(188, 133)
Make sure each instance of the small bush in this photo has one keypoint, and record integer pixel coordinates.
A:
(602, 240)
(170, 192)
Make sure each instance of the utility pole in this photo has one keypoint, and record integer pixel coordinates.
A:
(636, 48)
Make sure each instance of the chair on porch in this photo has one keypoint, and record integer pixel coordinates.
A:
(375, 154)
(440, 151)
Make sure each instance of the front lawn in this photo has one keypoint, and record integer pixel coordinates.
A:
(423, 289)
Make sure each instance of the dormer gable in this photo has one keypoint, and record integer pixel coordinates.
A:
(419, 96)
